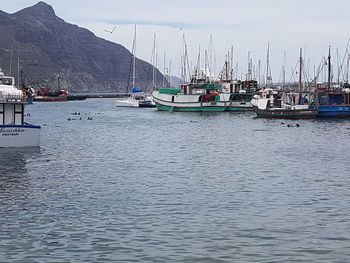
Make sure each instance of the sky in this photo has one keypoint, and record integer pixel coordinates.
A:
(287, 25)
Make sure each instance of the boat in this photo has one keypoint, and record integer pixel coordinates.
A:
(270, 103)
(46, 94)
(238, 93)
(201, 94)
(332, 101)
(14, 131)
(137, 98)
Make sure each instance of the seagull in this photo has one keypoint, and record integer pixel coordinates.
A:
(111, 31)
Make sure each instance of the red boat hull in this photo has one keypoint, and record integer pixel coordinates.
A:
(50, 99)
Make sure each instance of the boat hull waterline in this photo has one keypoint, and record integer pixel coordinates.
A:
(287, 114)
(191, 106)
(333, 111)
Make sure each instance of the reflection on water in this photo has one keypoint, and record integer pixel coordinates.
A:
(14, 161)
(14, 180)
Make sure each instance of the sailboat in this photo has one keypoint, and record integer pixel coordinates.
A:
(271, 104)
(137, 98)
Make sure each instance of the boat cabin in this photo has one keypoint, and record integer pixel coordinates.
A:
(333, 97)
(11, 102)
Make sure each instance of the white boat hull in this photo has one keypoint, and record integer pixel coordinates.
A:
(127, 103)
(136, 103)
(19, 135)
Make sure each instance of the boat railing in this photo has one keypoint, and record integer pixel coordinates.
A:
(10, 97)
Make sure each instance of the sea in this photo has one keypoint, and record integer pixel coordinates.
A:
(111, 184)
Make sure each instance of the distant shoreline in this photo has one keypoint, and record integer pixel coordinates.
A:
(83, 95)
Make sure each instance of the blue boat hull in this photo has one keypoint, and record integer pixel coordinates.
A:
(333, 111)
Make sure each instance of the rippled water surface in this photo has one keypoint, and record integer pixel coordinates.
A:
(137, 185)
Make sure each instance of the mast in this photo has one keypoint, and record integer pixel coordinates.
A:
(248, 69)
(231, 75)
(267, 64)
(339, 67)
(284, 71)
(18, 71)
(58, 82)
(11, 59)
(153, 64)
(207, 78)
(198, 67)
(164, 69)
(300, 75)
(329, 67)
(259, 73)
(211, 71)
(134, 60)
(169, 72)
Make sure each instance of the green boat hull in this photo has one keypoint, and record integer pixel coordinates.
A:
(200, 109)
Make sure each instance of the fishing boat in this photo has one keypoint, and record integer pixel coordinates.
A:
(14, 131)
(332, 101)
(137, 98)
(270, 103)
(201, 94)
(274, 105)
(239, 94)
(46, 94)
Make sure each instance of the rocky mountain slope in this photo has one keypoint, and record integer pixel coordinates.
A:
(47, 46)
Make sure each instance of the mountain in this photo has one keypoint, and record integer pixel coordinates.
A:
(48, 46)
(175, 81)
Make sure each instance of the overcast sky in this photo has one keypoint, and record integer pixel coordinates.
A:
(248, 25)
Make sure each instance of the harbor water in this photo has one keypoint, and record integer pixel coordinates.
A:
(137, 185)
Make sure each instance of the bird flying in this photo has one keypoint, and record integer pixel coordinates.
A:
(111, 31)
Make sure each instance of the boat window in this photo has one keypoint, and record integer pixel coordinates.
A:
(6, 81)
